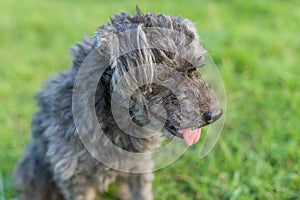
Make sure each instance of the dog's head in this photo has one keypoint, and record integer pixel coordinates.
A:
(155, 59)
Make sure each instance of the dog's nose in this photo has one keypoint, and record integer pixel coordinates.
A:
(212, 115)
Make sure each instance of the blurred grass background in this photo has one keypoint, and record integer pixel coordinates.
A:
(255, 44)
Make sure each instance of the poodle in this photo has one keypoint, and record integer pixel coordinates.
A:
(130, 85)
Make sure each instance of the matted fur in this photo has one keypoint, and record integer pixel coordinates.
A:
(56, 164)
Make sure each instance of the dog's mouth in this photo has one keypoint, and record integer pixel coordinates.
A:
(189, 135)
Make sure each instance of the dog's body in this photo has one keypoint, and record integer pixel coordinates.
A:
(58, 165)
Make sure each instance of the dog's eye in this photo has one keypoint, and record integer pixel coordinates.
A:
(163, 76)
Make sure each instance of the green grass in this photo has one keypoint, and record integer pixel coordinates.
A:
(256, 46)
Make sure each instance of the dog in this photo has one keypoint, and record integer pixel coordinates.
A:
(136, 69)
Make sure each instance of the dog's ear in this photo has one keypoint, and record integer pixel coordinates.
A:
(107, 44)
(131, 58)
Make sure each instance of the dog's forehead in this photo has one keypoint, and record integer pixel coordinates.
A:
(170, 33)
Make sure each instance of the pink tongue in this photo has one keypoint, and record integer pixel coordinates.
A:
(191, 136)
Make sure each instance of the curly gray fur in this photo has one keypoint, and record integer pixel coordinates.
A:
(56, 164)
